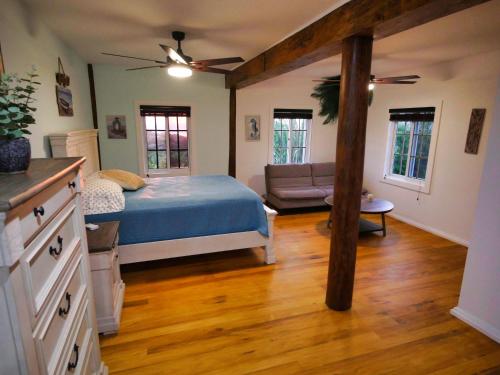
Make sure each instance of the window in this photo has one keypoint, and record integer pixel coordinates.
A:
(291, 134)
(410, 140)
(166, 137)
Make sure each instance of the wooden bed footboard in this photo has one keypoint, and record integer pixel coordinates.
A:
(202, 245)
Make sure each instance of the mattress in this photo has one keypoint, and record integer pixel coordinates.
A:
(170, 208)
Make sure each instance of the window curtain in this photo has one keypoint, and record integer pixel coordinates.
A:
(293, 113)
(412, 114)
(158, 110)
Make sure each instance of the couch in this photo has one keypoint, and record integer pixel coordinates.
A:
(299, 185)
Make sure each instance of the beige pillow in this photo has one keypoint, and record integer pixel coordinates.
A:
(127, 180)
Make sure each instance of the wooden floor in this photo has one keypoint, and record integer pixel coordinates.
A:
(228, 313)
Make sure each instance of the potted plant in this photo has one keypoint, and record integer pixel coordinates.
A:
(16, 114)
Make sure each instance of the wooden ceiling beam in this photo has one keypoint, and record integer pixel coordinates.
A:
(323, 38)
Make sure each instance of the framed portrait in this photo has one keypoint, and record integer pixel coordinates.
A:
(64, 101)
(116, 126)
(252, 128)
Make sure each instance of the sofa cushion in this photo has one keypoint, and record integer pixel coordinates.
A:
(297, 193)
(290, 175)
(327, 189)
(323, 173)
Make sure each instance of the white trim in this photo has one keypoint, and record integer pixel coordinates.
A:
(406, 182)
(477, 323)
(437, 232)
(141, 142)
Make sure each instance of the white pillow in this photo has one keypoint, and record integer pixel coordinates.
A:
(100, 196)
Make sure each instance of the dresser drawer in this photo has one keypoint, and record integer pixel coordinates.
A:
(78, 348)
(45, 258)
(38, 211)
(54, 328)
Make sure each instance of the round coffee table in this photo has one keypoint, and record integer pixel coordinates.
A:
(375, 206)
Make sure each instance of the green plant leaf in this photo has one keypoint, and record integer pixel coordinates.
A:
(13, 109)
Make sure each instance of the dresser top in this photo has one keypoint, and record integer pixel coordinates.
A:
(16, 189)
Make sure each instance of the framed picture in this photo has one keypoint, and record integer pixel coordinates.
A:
(475, 129)
(117, 126)
(2, 67)
(64, 101)
(252, 128)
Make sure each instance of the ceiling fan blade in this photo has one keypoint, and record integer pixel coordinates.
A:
(397, 78)
(210, 70)
(172, 53)
(221, 61)
(132, 57)
(326, 80)
(395, 82)
(148, 67)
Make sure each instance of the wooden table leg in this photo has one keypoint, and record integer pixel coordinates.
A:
(383, 225)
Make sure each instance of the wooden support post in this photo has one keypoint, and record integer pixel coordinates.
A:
(351, 133)
(90, 70)
(232, 132)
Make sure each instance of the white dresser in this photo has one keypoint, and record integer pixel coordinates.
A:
(47, 313)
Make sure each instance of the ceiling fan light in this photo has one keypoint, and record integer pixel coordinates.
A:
(371, 86)
(179, 71)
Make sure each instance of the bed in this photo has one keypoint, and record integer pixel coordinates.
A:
(180, 216)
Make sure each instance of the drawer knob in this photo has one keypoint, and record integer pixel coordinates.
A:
(55, 252)
(39, 211)
(72, 365)
(65, 311)
(72, 184)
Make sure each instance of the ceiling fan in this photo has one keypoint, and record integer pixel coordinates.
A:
(179, 64)
(401, 80)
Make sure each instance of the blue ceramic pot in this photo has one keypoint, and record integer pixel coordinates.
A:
(15, 155)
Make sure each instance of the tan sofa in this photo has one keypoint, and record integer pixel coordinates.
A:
(299, 185)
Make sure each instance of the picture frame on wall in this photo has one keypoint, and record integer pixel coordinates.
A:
(475, 129)
(64, 101)
(252, 128)
(116, 126)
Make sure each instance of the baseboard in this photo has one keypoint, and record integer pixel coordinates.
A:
(429, 229)
(479, 324)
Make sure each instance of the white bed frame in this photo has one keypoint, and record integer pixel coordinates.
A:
(84, 143)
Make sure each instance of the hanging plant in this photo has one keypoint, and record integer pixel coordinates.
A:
(328, 94)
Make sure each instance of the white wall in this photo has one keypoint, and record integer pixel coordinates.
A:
(261, 99)
(479, 303)
(117, 92)
(449, 208)
(25, 41)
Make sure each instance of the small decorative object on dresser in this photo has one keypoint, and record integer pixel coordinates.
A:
(16, 114)
(47, 311)
(109, 288)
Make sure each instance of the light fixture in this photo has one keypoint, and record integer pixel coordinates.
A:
(179, 70)
(371, 86)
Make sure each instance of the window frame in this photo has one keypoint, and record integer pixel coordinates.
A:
(142, 151)
(411, 183)
(307, 156)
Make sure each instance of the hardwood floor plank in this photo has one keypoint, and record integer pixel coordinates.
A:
(228, 313)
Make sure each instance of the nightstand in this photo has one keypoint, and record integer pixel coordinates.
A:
(109, 288)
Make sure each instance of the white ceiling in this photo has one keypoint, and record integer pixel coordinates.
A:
(214, 28)
(223, 28)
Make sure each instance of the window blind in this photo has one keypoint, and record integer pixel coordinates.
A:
(158, 110)
(412, 114)
(293, 113)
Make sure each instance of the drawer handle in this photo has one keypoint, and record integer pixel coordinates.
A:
(53, 251)
(39, 211)
(72, 365)
(65, 311)
(72, 184)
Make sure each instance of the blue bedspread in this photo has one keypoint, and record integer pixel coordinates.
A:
(180, 207)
